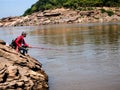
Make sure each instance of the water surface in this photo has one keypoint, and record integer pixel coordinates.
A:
(75, 56)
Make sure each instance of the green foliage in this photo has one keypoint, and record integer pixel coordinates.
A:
(109, 12)
(41, 5)
(103, 10)
(27, 12)
(48, 6)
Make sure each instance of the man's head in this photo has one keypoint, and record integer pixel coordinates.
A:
(24, 34)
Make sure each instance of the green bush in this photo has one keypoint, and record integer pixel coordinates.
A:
(27, 12)
(41, 5)
(109, 12)
(103, 10)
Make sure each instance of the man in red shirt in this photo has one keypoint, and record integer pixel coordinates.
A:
(21, 45)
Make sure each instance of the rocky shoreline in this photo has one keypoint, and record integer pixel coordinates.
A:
(62, 15)
(18, 72)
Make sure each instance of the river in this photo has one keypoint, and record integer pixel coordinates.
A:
(75, 56)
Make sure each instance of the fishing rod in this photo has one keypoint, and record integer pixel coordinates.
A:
(46, 48)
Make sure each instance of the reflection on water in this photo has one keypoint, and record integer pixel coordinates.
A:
(89, 59)
(78, 35)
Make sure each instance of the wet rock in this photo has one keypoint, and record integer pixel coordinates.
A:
(18, 72)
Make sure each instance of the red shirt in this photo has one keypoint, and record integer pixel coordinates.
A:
(20, 40)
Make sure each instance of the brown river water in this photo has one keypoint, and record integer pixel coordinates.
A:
(75, 56)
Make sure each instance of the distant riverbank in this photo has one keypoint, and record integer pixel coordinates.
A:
(62, 15)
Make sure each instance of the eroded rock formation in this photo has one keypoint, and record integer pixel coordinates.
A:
(18, 72)
(61, 15)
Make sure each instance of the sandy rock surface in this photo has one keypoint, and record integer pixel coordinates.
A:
(18, 72)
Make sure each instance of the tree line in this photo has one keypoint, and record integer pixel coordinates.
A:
(42, 5)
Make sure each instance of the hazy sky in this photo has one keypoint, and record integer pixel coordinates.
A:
(14, 7)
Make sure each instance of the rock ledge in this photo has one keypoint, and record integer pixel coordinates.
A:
(18, 72)
(62, 15)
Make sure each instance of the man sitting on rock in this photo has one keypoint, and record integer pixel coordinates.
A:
(20, 45)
